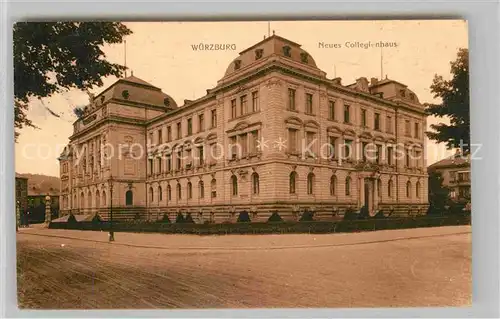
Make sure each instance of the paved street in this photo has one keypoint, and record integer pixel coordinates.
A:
(399, 268)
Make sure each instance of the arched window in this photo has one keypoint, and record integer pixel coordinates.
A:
(379, 188)
(104, 202)
(179, 194)
(310, 183)
(408, 189)
(169, 192)
(75, 201)
(82, 200)
(234, 183)
(151, 195)
(129, 198)
(389, 188)
(189, 190)
(97, 199)
(348, 186)
(89, 199)
(333, 185)
(213, 188)
(201, 187)
(293, 182)
(417, 189)
(160, 194)
(255, 183)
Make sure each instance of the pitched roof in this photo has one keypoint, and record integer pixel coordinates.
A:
(136, 80)
(455, 160)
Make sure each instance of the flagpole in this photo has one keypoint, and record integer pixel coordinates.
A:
(125, 55)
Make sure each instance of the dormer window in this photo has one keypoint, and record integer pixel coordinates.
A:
(304, 57)
(412, 96)
(237, 64)
(258, 53)
(125, 94)
(403, 93)
(287, 51)
(166, 102)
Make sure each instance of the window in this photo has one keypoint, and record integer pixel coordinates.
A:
(160, 137)
(201, 123)
(150, 166)
(201, 187)
(255, 101)
(379, 154)
(169, 133)
(169, 163)
(363, 118)
(129, 198)
(453, 176)
(243, 105)
(347, 115)
(364, 146)
(331, 110)
(376, 124)
(407, 128)
(158, 160)
(407, 158)
(333, 185)
(151, 137)
(233, 145)
(310, 183)
(233, 108)
(160, 194)
(331, 147)
(179, 159)
(189, 190)
(292, 140)
(408, 189)
(311, 140)
(388, 124)
(287, 51)
(291, 99)
(214, 118)
(179, 193)
(190, 126)
(390, 155)
(348, 186)
(254, 138)
(258, 53)
(151, 197)
(417, 190)
(179, 130)
(389, 188)
(293, 182)
(213, 188)
(234, 183)
(243, 145)
(201, 155)
(255, 183)
(417, 130)
(379, 188)
(347, 148)
(418, 157)
(169, 193)
(309, 103)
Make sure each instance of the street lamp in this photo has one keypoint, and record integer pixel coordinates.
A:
(48, 215)
(111, 233)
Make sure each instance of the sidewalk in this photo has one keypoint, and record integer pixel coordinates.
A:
(244, 242)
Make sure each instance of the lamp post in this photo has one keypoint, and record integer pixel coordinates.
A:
(18, 215)
(111, 233)
(48, 216)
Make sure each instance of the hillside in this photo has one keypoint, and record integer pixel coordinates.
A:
(41, 184)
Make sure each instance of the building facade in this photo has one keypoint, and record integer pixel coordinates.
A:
(455, 174)
(274, 135)
(22, 193)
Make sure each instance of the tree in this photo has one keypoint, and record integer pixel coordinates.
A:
(454, 95)
(52, 57)
(438, 194)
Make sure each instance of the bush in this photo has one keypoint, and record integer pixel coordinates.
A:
(72, 219)
(137, 216)
(243, 217)
(379, 215)
(275, 217)
(189, 219)
(165, 219)
(350, 214)
(307, 216)
(179, 218)
(96, 219)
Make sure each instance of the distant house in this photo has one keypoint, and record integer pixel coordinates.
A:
(455, 172)
(22, 192)
(36, 203)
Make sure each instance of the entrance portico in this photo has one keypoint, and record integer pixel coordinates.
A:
(368, 197)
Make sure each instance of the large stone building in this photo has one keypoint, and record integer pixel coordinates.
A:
(257, 142)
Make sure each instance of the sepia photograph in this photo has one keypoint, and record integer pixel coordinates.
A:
(243, 164)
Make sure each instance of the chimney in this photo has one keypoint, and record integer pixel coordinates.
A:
(337, 81)
(362, 84)
(373, 81)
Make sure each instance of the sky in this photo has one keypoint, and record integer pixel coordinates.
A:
(162, 54)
